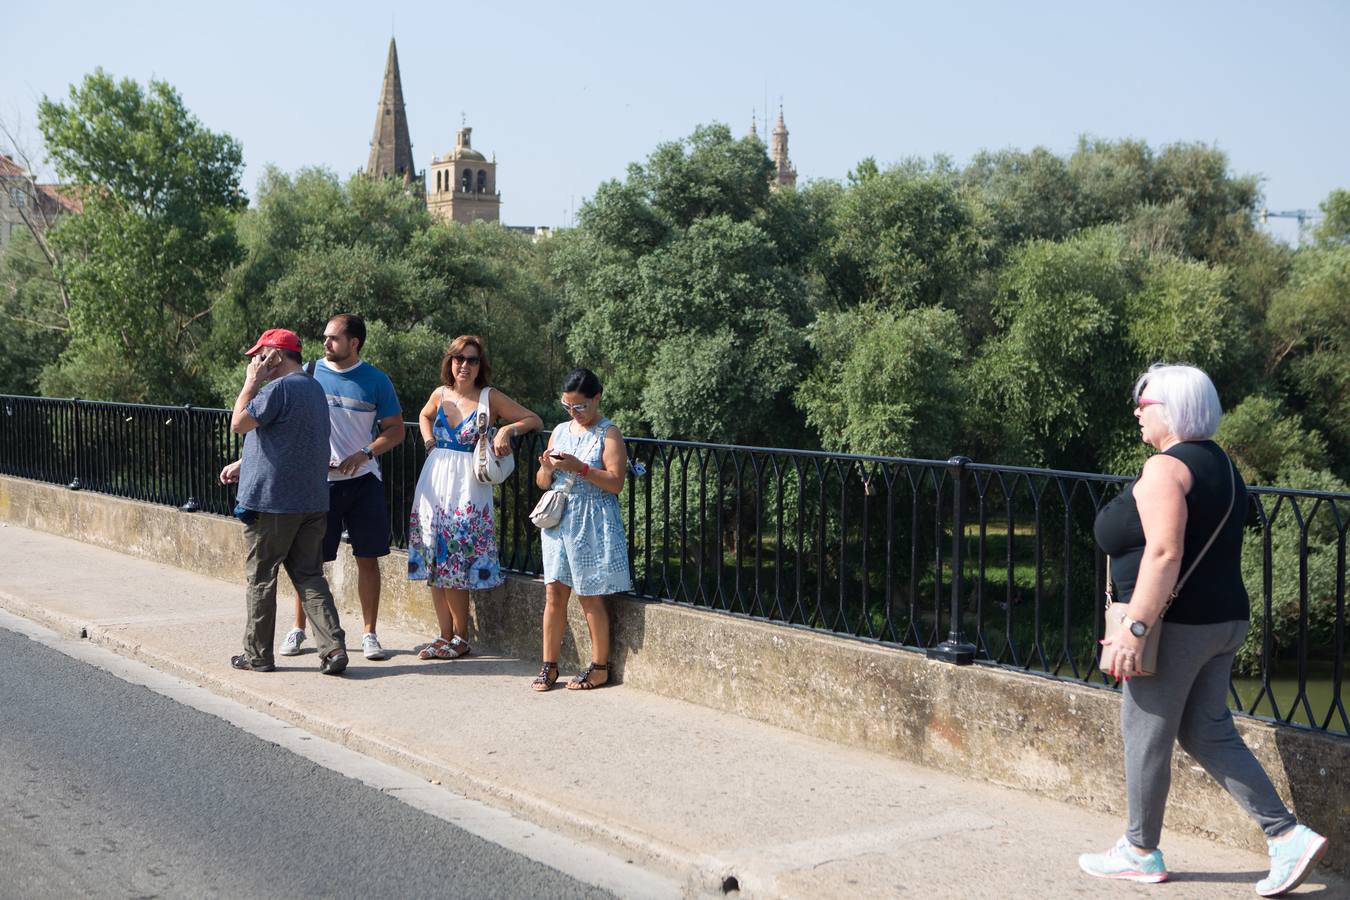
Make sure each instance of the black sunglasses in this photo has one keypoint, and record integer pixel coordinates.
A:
(466, 360)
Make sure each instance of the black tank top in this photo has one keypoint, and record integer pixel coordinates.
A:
(1214, 592)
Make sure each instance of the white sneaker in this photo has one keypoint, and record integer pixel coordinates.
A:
(290, 644)
(370, 647)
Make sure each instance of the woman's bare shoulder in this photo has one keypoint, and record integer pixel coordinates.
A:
(1162, 472)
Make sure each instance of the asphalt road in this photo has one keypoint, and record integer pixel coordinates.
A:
(108, 789)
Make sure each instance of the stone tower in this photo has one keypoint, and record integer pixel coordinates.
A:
(784, 175)
(463, 184)
(391, 148)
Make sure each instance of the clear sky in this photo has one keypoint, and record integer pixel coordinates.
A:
(567, 94)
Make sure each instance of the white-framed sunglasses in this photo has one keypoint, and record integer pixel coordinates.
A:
(576, 407)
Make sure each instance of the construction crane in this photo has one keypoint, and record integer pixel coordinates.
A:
(1304, 217)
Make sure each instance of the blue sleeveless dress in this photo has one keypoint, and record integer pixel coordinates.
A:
(587, 550)
(452, 540)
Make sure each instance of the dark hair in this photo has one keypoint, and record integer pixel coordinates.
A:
(293, 355)
(353, 326)
(457, 347)
(583, 382)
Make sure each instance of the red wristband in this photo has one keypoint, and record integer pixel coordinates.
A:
(585, 470)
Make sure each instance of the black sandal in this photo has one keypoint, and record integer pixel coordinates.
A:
(547, 677)
(583, 681)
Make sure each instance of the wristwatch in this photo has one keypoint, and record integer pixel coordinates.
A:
(1137, 628)
(368, 452)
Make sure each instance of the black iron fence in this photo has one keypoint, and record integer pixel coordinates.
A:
(966, 561)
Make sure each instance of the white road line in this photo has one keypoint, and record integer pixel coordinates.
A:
(578, 860)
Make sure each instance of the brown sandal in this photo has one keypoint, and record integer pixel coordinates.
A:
(583, 681)
(547, 677)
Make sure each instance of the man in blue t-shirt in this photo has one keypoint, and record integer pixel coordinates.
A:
(365, 421)
(283, 498)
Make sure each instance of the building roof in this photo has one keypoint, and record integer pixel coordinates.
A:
(63, 195)
(464, 147)
(9, 168)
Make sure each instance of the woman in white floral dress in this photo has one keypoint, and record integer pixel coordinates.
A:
(452, 542)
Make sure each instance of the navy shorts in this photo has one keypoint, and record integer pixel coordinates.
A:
(357, 504)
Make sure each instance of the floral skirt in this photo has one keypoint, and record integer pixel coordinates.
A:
(452, 545)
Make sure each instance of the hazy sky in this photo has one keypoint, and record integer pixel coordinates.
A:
(567, 94)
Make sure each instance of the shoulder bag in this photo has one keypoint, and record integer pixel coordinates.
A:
(488, 467)
(548, 512)
(1147, 663)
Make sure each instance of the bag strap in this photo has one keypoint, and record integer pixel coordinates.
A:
(484, 409)
(567, 488)
(1232, 499)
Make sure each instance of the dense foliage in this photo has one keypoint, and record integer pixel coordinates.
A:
(1000, 311)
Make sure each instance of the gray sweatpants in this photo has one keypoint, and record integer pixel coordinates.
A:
(1186, 702)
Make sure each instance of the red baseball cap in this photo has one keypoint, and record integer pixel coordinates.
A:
(276, 337)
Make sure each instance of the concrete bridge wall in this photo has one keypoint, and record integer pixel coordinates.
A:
(1051, 738)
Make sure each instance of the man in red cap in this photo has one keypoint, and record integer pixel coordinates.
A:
(283, 498)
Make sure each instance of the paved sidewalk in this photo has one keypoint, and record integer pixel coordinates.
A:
(686, 791)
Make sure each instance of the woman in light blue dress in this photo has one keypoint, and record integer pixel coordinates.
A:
(586, 551)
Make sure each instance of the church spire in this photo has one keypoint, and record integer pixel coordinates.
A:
(391, 148)
(785, 174)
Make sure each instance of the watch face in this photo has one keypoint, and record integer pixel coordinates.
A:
(1138, 629)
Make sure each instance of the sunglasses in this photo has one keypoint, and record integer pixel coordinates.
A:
(466, 360)
(1144, 402)
(575, 407)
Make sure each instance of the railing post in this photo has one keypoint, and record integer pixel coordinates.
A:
(955, 649)
(191, 504)
(79, 443)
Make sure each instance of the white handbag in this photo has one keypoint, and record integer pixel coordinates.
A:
(488, 467)
(548, 512)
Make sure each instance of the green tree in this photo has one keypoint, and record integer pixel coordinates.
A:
(903, 237)
(1335, 225)
(1310, 319)
(1262, 438)
(685, 292)
(32, 308)
(1111, 180)
(153, 242)
(1027, 196)
(1046, 384)
(1220, 207)
(315, 246)
(890, 382)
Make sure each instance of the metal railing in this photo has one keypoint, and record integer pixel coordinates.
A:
(963, 560)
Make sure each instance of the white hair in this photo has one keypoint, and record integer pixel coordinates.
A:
(1190, 404)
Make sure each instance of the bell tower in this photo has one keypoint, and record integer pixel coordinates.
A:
(463, 186)
(785, 174)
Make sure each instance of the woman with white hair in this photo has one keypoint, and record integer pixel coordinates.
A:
(1183, 519)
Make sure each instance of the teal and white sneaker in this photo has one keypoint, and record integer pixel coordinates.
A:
(290, 644)
(1122, 862)
(1291, 859)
